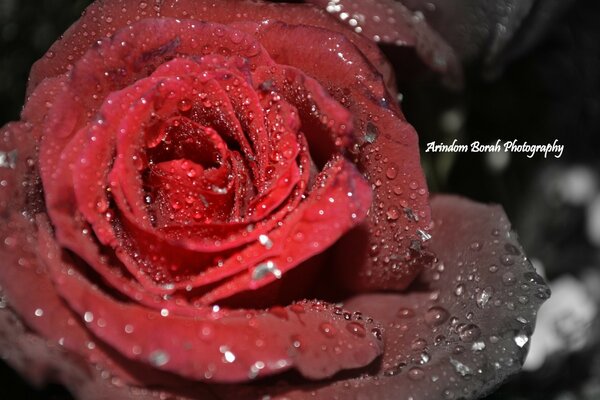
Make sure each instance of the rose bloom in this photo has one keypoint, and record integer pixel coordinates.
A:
(222, 199)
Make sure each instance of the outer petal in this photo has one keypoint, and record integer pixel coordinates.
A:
(389, 21)
(103, 18)
(445, 355)
(226, 346)
(464, 327)
(388, 254)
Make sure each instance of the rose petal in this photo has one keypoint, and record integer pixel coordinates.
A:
(488, 30)
(102, 19)
(47, 314)
(384, 259)
(309, 230)
(389, 21)
(464, 327)
(450, 366)
(225, 347)
(384, 270)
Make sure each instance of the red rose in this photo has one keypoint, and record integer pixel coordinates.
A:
(186, 173)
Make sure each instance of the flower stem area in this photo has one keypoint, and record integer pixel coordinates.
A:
(551, 93)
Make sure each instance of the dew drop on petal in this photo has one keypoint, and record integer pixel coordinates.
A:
(461, 368)
(509, 279)
(436, 316)
(88, 316)
(356, 329)
(484, 296)
(265, 241)
(405, 313)
(393, 213)
(158, 358)
(228, 356)
(521, 339)
(507, 260)
(8, 159)
(392, 171)
(416, 373)
(469, 333)
(265, 269)
(327, 329)
(371, 132)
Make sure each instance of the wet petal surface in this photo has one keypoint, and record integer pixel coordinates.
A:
(463, 327)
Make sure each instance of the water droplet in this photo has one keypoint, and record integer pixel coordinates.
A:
(265, 241)
(478, 346)
(393, 213)
(534, 278)
(405, 313)
(521, 339)
(511, 249)
(395, 370)
(8, 159)
(296, 341)
(184, 105)
(356, 329)
(418, 344)
(507, 260)
(228, 356)
(461, 368)
(377, 333)
(484, 296)
(255, 369)
(424, 235)
(371, 132)
(88, 316)
(459, 289)
(102, 205)
(158, 358)
(327, 329)
(475, 246)
(265, 269)
(509, 279)
(219, 190)
(38, 312)
(469, 333)
(436, 316)
(416, 373)
(392, 171)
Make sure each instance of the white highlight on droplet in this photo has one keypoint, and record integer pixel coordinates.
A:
(264, 269)
(265, 241)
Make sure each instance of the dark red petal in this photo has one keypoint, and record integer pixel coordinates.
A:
(226, 346)
(102, 19)
(338, 201)
(35, 299)
(389, 21)
(465, 326)
(388, 254)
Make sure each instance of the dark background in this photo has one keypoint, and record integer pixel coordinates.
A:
(552, 92)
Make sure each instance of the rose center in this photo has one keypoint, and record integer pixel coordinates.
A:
(187, 176)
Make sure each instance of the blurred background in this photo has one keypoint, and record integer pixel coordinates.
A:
(546, 90)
